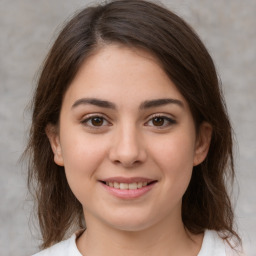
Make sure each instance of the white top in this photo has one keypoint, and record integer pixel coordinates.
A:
(212, 245)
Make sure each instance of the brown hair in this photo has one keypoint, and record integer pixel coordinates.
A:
(206, 204)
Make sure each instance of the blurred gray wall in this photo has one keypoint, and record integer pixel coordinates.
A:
(228, 28)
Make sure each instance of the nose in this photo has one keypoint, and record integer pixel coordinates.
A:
(127, 147)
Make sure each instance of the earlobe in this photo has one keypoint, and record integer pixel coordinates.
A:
(203, 143)
(54, 140)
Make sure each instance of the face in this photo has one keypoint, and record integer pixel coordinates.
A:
(127, 140)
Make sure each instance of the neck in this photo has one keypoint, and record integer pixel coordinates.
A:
(163, 239)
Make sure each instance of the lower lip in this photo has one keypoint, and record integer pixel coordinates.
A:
(128, 193)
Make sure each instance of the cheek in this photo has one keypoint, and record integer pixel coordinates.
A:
(175, 151)
(174, 156)
(82, 155)
(81, 147)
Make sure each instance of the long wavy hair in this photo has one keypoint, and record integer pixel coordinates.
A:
(184, 58)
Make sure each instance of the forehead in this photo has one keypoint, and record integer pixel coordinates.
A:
(118, 73)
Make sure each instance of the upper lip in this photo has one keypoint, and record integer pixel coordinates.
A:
(127, 179)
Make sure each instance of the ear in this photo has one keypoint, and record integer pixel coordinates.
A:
(54, 139)
(203, 143)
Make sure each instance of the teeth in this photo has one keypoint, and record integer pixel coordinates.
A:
(124, 185)
(131, 186)
(116, 185)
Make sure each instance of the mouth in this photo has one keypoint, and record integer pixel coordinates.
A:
(128, 186)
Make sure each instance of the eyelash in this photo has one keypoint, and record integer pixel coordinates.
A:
(94, 116)
(167, 121)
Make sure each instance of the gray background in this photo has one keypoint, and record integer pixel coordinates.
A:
(228, 28)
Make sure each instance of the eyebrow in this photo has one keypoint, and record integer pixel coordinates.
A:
(160, 102)
(144, 105)
(95, 102)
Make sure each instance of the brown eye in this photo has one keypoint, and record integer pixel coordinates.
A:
(97, 121)
(158, 121)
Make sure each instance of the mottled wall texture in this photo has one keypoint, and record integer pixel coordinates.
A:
(228, 28)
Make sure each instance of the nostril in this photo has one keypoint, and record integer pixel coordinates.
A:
(127, 152)
(127, 163)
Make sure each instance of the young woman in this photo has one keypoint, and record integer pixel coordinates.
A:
(130, 141)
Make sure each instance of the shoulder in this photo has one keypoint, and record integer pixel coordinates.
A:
(64, 248)
(214, 245)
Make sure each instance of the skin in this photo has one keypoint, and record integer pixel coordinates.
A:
(128, 142)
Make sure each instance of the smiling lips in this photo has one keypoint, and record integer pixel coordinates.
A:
(134, 185)
(128, 188)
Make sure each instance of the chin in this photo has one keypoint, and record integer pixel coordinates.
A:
(131, 223)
